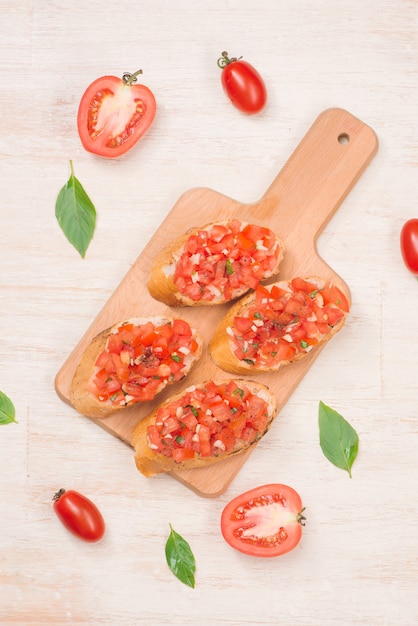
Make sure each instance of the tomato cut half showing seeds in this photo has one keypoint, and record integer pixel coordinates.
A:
(266, 521)
(113, 114)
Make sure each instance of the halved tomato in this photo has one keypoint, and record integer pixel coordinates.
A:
(266, 521)
(114, 113)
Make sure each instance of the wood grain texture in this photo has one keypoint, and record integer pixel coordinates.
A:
(298, 203)
(357, 562)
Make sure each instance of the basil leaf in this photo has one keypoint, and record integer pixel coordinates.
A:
(7, 410)
(180, 558)
(337, 438)
(76, 214)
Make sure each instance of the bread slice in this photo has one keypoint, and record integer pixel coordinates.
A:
(202, 425)
(278, 324)
(215, 263)
(131, 362)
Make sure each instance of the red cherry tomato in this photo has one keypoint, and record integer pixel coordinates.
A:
(242, 84)
(79, 515)
(266, 521)
(113, 114)
(409, 245)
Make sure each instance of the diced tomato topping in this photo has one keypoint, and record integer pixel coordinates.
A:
(139, 359)
(181, 327)
(225, 259)
(227, 439)
(208, 421)
(333, 295)
(182, 454)
(154, 438)
(284, 321)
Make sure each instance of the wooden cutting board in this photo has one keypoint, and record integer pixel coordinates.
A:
(297, 205)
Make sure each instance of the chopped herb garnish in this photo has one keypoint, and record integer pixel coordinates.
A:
(179, 439)
(234, 409)
(229, 268)
(193, 409)
(238, 392)
(249, 361)
(176, 357)
(313, 293)
(304, 344)
(258, 315)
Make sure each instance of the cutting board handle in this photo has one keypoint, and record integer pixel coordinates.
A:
(327, 162)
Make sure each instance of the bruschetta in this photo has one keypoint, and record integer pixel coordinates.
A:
(132, 362)
(278, 324)
(215, 263)
(203, 424)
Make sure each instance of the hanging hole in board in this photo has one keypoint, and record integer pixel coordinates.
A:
(343, 139)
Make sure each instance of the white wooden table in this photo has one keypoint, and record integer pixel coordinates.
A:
(357, 561)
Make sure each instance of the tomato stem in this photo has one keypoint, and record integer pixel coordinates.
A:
(129, 79)
(58, 495)
(224, 60)
(301, 519)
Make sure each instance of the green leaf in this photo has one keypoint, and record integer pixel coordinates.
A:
(180, 558)
(337, 438)
(7, 410)
(76, 214)
(229, 268)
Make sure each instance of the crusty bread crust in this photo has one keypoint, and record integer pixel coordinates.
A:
(161, 284)
(221, 345)
(149, 462)
(86, 402)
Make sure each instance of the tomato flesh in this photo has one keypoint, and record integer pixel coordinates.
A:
(266, 521)
(113, 115)
(208, 420)
(284, 323)
(409, 245)
(79, 515)
(224, 259)
(139, 359)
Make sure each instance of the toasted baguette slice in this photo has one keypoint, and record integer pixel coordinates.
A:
(278, 324)
(132, 362)
(215, 263)
(203, 424)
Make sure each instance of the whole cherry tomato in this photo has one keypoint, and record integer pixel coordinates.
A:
(114, 113)
(409, 245)
(242, 84)
(266, 521)
(79, 515)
